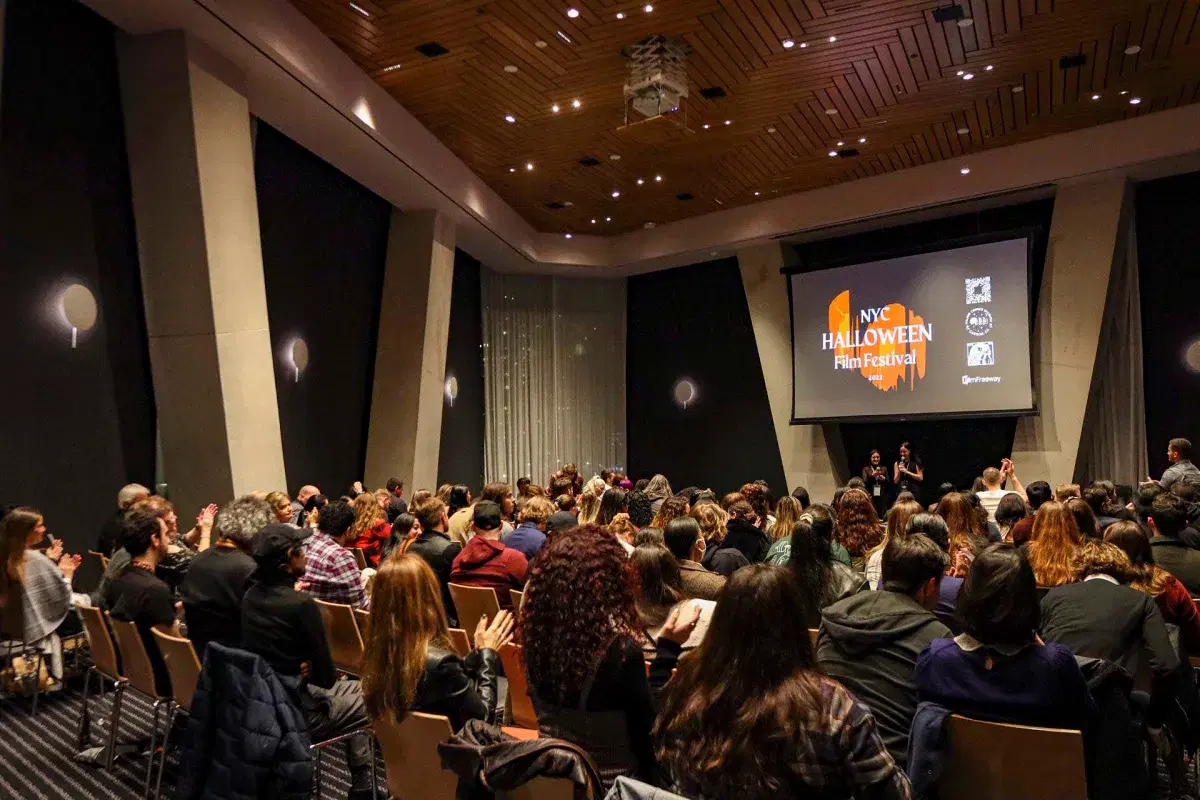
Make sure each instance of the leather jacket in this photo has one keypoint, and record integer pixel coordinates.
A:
(459, 688)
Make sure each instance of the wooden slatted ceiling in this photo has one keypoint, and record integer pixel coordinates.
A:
(891, 75)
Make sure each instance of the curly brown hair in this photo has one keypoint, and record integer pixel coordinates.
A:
(858, 526)
(578, 601)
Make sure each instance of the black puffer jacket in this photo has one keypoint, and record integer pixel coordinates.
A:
(750, 540)
(461, 689)
(246, 737)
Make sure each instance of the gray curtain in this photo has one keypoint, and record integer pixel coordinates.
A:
(1114, 430)
(554, 375)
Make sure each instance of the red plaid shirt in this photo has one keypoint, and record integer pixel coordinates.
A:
(332, 573)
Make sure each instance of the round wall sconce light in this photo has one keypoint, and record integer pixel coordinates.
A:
(685, 393)
(1191, 356)
(78, 307)
(451, 390)
(298, 356)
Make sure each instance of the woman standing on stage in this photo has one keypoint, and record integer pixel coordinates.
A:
(875, 477)
(908, 472)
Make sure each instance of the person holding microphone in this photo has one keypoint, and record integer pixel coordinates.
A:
(878, 486)
(908, 472)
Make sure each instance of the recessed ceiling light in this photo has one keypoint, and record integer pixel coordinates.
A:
(620, 15)
(648, 225)
(966, 22)
(614, 157)
(707, 126)
(509, 118)
(658, 178)
(756, 194)
(593, 222)
(392, 68)
(648, 8)
(616, 194)
(554, 108)
(788, 44)
(968, 76)
(960, 72)
(728, 122)
(568, 203)
(529, 166)
(771, 129)
(567, 235)
(576, 103)
(572, 12)
(640, 181)
(510, 68)
(1133, 50)
(1095, 97)
(988, 68)
(1124, 91)
(832, 112)
(965, 171)
(512, 169)
(841, 144)
(804, 44)
(1018, 89)
(540, 43)
(833, 153)
(563, 36)
(963, 131)
(832, 39)
(361, 10)
(1135, 101)
(862, 140)
(608, 219)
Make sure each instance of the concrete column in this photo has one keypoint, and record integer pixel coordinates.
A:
(410, 355)
(1085, 232)
(187, 126)
(803, 448)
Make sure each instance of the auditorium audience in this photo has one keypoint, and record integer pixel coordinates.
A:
(218, 578)
(410, 664)
(1011, 510)
(332, 574)
(934, 527)
(486, 562)
(858, 526)
(435, 546)
(615, 501)
(894, 528)
(641, 509)
(281, 506)
(657, 490)
(743, 542)
(870, 642)
(110, 531)
(1053, 545)
(1065, 491)
(530, 535)
(1100, 498)
(589, 507)
(458, 510)
(1174, 602)
(284, 627)
(822, 580)
(1085, 519)
(564, 520)
(684, 539)
(396, 505)
(580, 633)
(998, 669)
(658, 590)
(968, 531)
(1167, 520)
(993, 491)
(781, 729)
(301, 505)
(1036, 493)
(672, 508)
(370, 530)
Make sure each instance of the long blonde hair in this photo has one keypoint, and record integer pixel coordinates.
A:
(896, 523)
(366, 513)
(787, 514)
(589, 508)
(1053, 544)
(712, 519)
(407, 617)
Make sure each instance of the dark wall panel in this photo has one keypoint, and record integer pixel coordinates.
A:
(461, 453)
(953, 451)
(1168, 240)
(324, 241)
(694, 322)
(78, 423)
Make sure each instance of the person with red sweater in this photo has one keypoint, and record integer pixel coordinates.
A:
(485, 561)
(1174, 602)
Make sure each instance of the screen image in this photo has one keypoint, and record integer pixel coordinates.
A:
(941, 333)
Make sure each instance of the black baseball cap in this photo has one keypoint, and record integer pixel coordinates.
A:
(487, 515)
(272, 544)
(561, 521)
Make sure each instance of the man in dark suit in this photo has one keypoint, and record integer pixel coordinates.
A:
(1167, 521)
(396, 506)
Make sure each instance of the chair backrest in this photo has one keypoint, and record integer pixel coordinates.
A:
(517, 599)
(990, 761)
(103, 558)
(472, 603)
(414, 770)
(812, 635)
(345, 642)
(518, 689)
(458, 638)
(135, 661)
(360, 557)
(541, 789)
(100, 643)
(363, 618)
(183, 666)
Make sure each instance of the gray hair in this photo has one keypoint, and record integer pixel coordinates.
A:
(240, 519)
(130, 494)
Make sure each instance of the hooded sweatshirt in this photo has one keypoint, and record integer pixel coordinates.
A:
(869, 643)
(487, 562)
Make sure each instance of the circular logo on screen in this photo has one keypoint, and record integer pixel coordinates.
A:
(979, 321)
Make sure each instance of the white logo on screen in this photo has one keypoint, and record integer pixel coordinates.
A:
(979, 321)
(979, 290)
(968, 379)
(981, 354)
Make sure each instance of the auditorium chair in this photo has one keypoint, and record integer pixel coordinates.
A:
(345, 640)
(183, 667)
(460, 642)
(519, 701)
(135, 665)
(517, 599)
(104, 665)
(360, 557)
(812, 635)
(363, 618)
(991, 761)
(474, 602)
(12, 640)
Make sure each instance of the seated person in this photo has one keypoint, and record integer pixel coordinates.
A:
(823, 580)
(371, 529)
(683, 538)
(998, 669)
(1168, 520)
(870, 642)
(938, 531)
(580, 634)
(434, 545)
(1037, 493)
(1098, 617)
(411, 665)
(529, 536)
(111, 531)
(658, 590)
(1171, 596)
(332, 574)
(214, 585)
(486, 561)
(750, 715)
(139, 596)
(285, 628)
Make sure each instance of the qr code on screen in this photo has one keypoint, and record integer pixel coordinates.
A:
(981, 354)
(979, 290)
